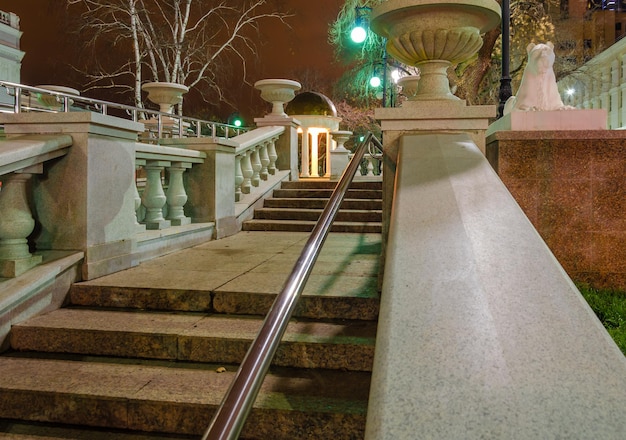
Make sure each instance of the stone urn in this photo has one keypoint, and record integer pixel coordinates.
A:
(277, 92)
(409, 86)
(53, 101)
(165, 94)
(433, 35)
(341, 136)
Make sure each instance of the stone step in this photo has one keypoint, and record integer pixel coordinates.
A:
(177, 398)
(353, 215)
(320, 203)
(19, 430)
(327, 184)
(348, 345)
(326, 193)
(307, 226)
(351, 297)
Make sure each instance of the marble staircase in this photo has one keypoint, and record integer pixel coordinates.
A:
(148, 353)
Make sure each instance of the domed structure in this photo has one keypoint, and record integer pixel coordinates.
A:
(311, 103)
(318, 118)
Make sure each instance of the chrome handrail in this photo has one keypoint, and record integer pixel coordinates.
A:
(102, 107)
(230, 417)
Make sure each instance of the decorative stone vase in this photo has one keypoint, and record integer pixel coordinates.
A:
(341, 137)
(51, 101)
(409, 86)
(165, 94)
(433, 35)
(277, 92)
(340, 156)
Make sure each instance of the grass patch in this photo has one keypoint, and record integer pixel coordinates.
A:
(610, 307)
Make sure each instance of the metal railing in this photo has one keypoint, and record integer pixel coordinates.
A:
(183, 126)
(230, 417)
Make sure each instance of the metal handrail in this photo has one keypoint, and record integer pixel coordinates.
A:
(66, 100)
(230, 417)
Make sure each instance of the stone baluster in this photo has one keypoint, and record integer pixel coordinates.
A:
(256, 166)
(153, 197)
(238, 177)
(265, 159)
(273, 156)
(370, 165)
(139, 163)
(176, 195)
(16, 224)
(248, 172)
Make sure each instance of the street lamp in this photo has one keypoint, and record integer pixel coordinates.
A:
(361, 24)
(359, 35)
(505, 80)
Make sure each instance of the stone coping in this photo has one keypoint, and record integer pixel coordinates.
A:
(481, 332)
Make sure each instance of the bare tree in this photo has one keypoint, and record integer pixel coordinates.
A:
(195, 43)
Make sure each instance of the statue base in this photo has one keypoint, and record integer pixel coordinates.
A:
(559, 120)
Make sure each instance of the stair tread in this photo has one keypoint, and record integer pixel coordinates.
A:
(195, 337)
(287, 221)
(198, 325)
(134, 397)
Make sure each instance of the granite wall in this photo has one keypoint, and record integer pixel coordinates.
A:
(572, 187)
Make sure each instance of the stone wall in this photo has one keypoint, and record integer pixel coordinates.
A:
(572, 187)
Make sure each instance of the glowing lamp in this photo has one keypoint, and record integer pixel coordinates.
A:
(358, 34)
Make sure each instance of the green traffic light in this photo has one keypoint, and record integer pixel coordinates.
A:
(237, 123)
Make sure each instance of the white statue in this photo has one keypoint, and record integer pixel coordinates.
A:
(538, 89)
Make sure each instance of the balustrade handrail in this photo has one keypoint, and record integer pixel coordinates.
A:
(230, 417)
(91, 104)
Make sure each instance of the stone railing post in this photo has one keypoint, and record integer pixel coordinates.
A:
(210, 185)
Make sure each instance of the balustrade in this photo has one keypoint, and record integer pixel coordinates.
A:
(165, 185)
(163, 201)
(255, 159)
(601, 83)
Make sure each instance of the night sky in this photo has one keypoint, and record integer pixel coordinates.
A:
(50, 48)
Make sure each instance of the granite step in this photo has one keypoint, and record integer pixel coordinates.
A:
(347, 345)
(351, 297)
(327, 184)
(325, 193)
(162, 398)
(353, 215)
(307, 226)
(320, 203)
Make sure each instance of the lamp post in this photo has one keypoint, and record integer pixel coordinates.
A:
(505, 80)
(359, 31)
(358, 35)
